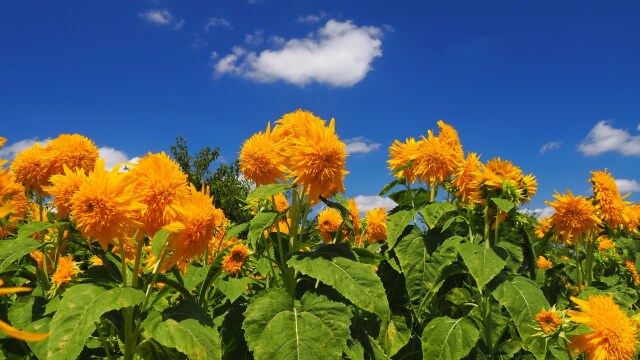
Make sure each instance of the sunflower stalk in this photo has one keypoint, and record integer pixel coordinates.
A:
(589, 262)
(136, 265)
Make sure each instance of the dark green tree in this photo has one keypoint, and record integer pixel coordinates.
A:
(228, 188)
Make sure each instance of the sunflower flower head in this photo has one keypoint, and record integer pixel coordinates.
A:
(63, 187)
(261, 160)
(296, 124)
(543, 264)
(329, 221)
(609, 203)
(632, 213)
(32, 167)
(376, 227)
(232, 263)
(528, 188)
(465, 181)
(280, 203)
(543, 227)
(95, 261)
(400, 155)
(604, 243)
(354, 216)
(10, 330)
(74, 151)
(549, 320)
(161, 186)
(500, 176)
(197, 221)
(66, 271)
(631, 266)
(574, 216)
(436, 160)
(449, 136)
(614, 334)
(105, 206)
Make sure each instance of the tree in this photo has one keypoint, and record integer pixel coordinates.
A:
(227, 186)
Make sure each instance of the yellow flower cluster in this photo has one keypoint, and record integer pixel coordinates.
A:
(301, 149)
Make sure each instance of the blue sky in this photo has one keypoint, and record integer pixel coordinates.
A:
(510, 76)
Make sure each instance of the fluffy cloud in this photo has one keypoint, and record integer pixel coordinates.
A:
(113, 157)
(366, 203)
(217, 22)
(540, 213)
(311, 19)
(360, 145)
(254, 39)
(627, 186)
(161, 17)
(338, 54)
(8, 152)
(604, 138)
(552, 145)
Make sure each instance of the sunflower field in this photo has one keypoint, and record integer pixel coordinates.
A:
(139, 264)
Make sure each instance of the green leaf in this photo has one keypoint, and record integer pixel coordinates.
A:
(232, 288)
(396, 335)
(190, 337)
(482, 262)
(511, 253)
(504, 205)
(390, 186)
(355, 281)
(448, 339)
(267, 190)
(396, 223)
(81, 306)
(434, 211)
(259, 224)
(277, 328)
(12, 250)
(194, 276)
(523, 300)
(342, 208)
(495, 322)
(159, 240)
(31, 228)
(237, 230)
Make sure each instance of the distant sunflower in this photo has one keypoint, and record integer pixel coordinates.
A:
(614, 334)
(317, 162)
(354, 216)
(261, 160)
(609, 202)
(18, 205)
(376, 227)
(233, 262)
(436, 160)
(604, 243)
(548, 320)
(66, 271)
(632, 213)
(543, 264)
(465, 180)
(32, 168)
(74, 151)
(63, 187)
(400, 154)
(528, 188)
(281, 203)
(161, 186)
(105, 206)
(574, 216)
(631, 266)
(197, 221)
(10, 330)
(329, 221)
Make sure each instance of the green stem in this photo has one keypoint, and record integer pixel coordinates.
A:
(496, 237)
(136, 264)
(589, 262)
(487, 228)
(487, 323)
(123, 262)
(469, 216)
(578, 265)
(58, 246)
(127, 313)
(103, 340)
(432, 196)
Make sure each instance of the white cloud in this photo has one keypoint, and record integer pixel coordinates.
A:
(604, 138)
(338, 54)
(366, 203)
(254, 39)
(277, 40)
(552, 145)
(360, 145)
(113, 157)
(162, 17)
(627, 185)
(540, 213)
(311, 19)
(198, 41)
(217, 22)
(8, 152)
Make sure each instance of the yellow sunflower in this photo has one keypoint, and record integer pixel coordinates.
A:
(614, 334)
(376, 227)
(574, 216)
(354, 216)
(10, 330)
(498, 173)
(296, 124)
(66, 270)
(465, 180)
(63, 187)
(436, 160)
(73, 150)
(32, 168)
(400, 154)
(543, 264)
(609, 202)
(329, 221)
(105, 206)
(632, 213)
(528, 188)
(281, 203)
(261, 160)
(604, 243)
(449, 136)
(233, 262)
(161, 186)
(549, 320)
(631, 266)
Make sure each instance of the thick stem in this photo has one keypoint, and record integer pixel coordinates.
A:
(496, 234)
(487, 227)
(58, 246)
(578, 264)
(589, 262)
(136, 264)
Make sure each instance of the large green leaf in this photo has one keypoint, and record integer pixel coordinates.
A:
(277, 328)
(434, 211)
(197, 341)
(396, 224)
(232, 287)
(12, 250)
(504, 205)
(267, 190)
(159, 240)
(448, 339)
(355, 281)
(396, 334)
(523, 300)
(259, 224)
(194, 276)
(482, 262)
(33, 227)
(81, 306)
(422, 271)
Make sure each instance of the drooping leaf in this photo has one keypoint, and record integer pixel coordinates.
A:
(433, 212)
(389, 186)
(81, 306)
(197, 341)
(355, 281)
(448, 339)
(276, 327)
(523, 300)
(237, 230)
(482, 262)
(267, 190)
(14, 249)
(396, 224)
(259, 224)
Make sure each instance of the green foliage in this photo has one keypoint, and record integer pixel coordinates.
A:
(482, 262)
(448, 339)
